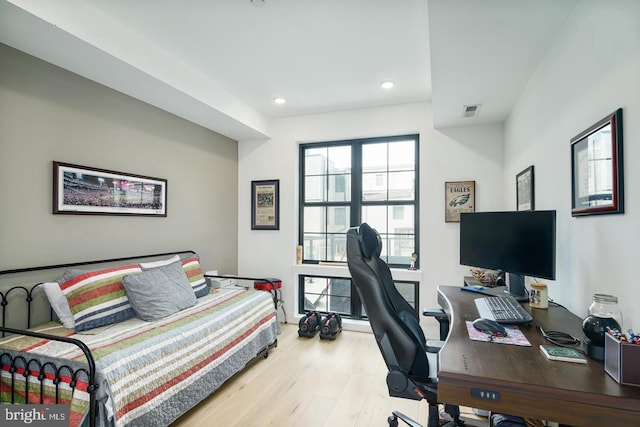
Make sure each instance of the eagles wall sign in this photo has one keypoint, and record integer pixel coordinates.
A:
(459, 197)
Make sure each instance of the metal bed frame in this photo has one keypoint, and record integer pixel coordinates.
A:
(89, 374)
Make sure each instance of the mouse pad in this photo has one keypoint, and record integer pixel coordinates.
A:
(514, 335)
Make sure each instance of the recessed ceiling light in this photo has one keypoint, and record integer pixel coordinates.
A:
(387, 84)
(258, 3)
(279, 100)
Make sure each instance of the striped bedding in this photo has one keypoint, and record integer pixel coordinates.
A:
(150, 373)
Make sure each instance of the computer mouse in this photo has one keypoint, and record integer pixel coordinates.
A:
(490, 327)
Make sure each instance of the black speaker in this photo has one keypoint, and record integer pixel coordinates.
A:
(330, 326)
(309, 324)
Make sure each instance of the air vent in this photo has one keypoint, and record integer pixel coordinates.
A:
(470, 110)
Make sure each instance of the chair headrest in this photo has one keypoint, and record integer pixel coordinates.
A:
(370, 241)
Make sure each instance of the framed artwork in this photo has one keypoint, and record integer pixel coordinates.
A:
(265, 205)
(82, 190)
(525, 196)
(597, 182)
(459, 197)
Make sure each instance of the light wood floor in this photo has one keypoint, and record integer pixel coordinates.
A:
(308, 382)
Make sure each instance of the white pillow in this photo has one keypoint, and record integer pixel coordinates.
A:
(59, 303)
(161, 263)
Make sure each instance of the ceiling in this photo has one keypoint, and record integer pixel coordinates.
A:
(221, 63)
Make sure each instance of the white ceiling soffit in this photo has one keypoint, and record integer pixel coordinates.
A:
(74, 35)
(220, 63)
(320, 55)
(485, 52)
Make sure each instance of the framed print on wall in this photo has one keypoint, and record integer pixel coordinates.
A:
(459, 197)
(597, 182)
(525, 196)
(265, 205)
(82, 190)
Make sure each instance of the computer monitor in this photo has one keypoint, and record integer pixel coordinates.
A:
(519, 243)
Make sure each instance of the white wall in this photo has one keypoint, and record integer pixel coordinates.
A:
(592, 69)
(472, 153)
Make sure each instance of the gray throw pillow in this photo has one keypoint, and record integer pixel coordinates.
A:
(158, 293)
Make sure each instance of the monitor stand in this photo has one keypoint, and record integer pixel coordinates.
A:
(516, 288)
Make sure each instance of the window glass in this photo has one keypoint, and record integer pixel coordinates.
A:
(314, 187)
(376, 217)
(339, 159)
(401, 185)
(401, 220)
(339, 219)
(315, 161)
(315, 293)
(314, 219)
(398, 213)
(326, 295)
(339, 188)
(374, 157)
(314, 247)
(408, 291)
(399, 249)
(337, 247)
(402, 156)
(374, 186)
(337, 295)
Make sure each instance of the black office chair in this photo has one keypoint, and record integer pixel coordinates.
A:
(412, 362)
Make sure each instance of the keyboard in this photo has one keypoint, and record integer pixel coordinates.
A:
(502, 309)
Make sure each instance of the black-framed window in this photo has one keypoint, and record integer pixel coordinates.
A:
(328, 294)
(346, 183)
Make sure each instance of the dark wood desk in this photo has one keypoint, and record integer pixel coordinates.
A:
(526, 383)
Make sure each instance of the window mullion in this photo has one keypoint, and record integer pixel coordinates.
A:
(356, 184)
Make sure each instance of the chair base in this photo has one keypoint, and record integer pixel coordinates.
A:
(434, 417)
(396, 415)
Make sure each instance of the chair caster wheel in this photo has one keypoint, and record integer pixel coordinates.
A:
(393, 421)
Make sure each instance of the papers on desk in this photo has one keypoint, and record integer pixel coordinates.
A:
(514, 335)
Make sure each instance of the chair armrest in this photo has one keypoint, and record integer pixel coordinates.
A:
(438, 313)
(442, 318)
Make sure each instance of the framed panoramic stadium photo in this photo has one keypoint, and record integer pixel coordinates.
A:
(81, 190)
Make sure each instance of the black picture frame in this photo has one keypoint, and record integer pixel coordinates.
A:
(597, 184)
(83, 190)
(265, 205)
(525, 190)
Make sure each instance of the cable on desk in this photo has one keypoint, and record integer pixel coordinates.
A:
(557, 304)
(559, 338)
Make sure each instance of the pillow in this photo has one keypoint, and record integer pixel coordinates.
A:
(159, 292)
(161, 263)
(97, 298)
(59, 303)
(194, 273)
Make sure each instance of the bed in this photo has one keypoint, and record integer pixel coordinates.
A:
(132, 371)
